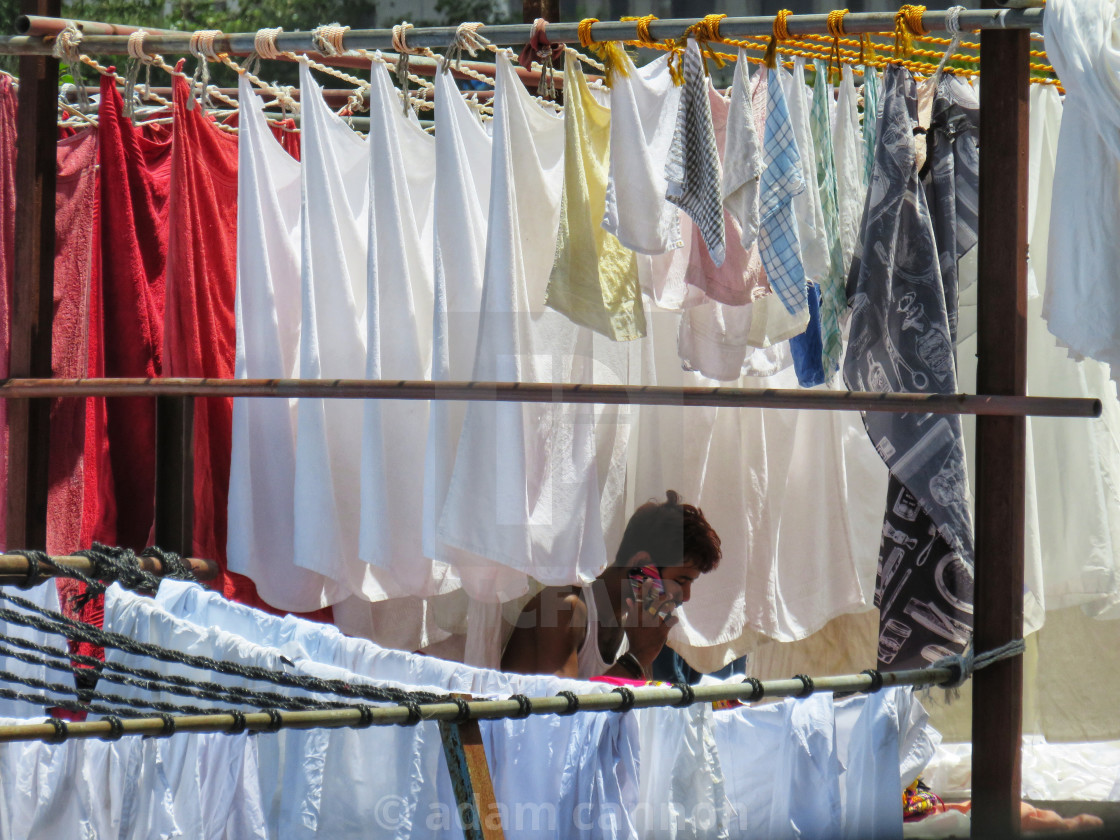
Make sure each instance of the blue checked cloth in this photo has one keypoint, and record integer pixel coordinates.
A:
(781, 180)
(692, 169)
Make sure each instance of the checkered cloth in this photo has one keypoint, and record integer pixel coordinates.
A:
(693, 170)
(781, 181)
(833, 295)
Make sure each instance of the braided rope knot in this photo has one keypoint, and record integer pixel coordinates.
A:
(66, 43)
(327, 38)
(966, 664)
(264, 43)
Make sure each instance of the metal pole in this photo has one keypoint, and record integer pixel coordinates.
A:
(516, 35)
(548, 392)
(997, 709)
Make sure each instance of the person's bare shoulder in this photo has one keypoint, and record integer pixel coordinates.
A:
(548, 634)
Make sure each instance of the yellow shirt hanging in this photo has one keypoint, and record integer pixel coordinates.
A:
(594, 279)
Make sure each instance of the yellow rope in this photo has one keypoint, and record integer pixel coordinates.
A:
(614, 60)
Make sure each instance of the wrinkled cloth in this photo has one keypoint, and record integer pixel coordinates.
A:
(900, 341)
(847, 153)
(833, 297)
(263, 445)
(782, 181)
(1080, 302)
(692, 169)
(812, 234)
(594, 279)
(742, 155)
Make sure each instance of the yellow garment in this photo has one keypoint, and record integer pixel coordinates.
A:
(594, 279)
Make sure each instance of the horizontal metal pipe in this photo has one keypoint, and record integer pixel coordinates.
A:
(13, 567)
(39, 25)
(547, 392)
(439, 37)
(481, 709)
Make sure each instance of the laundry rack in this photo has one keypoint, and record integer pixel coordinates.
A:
(1000, 428)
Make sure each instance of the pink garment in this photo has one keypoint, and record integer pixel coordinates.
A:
(741, 279)
(8, 102)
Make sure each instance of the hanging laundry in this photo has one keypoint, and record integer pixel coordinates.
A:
(1080, 304)
(398, 320)
(833, 298)
(46, 595)
(644, 103)
(594, 279)
(900, 341)
(80, 503)
(692, 168)
(812, 234)
(334, 226)
(9, 101)
(263, 445)
(742, 153)
(953, 180)
(871, 111)
(848, 151)
(462, 170)
(781, 182)
(135, 172)
(807, 349)
(524, 495)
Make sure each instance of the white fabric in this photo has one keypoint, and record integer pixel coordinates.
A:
(713, 339)
(44, 595)
(796, 498)
(644, 102)
(462, 169)
(524, 494)
(742, 157)
(398, 318)
(806, 204)
(261, 543)
(1081, 299)
(847, 156)
(333, 231)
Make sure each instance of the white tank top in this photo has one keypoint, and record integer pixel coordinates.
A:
(588, 658)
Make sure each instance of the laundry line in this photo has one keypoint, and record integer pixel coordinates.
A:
(552, 392)
(18, 569)
(621, 699)
(241, 44)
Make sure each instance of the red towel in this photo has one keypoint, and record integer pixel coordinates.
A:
(135, 180)
(8, 101)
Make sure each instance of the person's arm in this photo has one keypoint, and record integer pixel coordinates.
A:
(548, 635)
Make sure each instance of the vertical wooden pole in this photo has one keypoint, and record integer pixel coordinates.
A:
(470, 778)
(32, 289)
(997, 710)
(174, 506)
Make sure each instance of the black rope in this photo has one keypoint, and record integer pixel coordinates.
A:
(116, 728)
(876, 679)
(464, 710)
(239, 725)
(34, 561)
(168, 728)
(757, 690)
(688, 696)
(55, 622)
(172, 564)
(573, 702)
(524, 706)
(365, 718)
(61, 731)
(627, 699)
(806, 685)
(275, 720)
(414, 715)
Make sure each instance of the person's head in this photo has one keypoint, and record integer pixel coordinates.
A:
(673, 537)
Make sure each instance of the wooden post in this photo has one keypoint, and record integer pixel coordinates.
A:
(470, 777)
(997, 707)
(174, 507)
(32, 289)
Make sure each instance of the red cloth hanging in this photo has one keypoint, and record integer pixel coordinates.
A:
(8, 103)
(200, 330)
(135, 181)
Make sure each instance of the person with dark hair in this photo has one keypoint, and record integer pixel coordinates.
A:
(616, 625)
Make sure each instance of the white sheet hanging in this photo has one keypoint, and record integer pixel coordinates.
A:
(262, 470)
(399, 311)
(462, 168)
(524, 493)
(847, 156)
(43, 595)
(333, 231)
